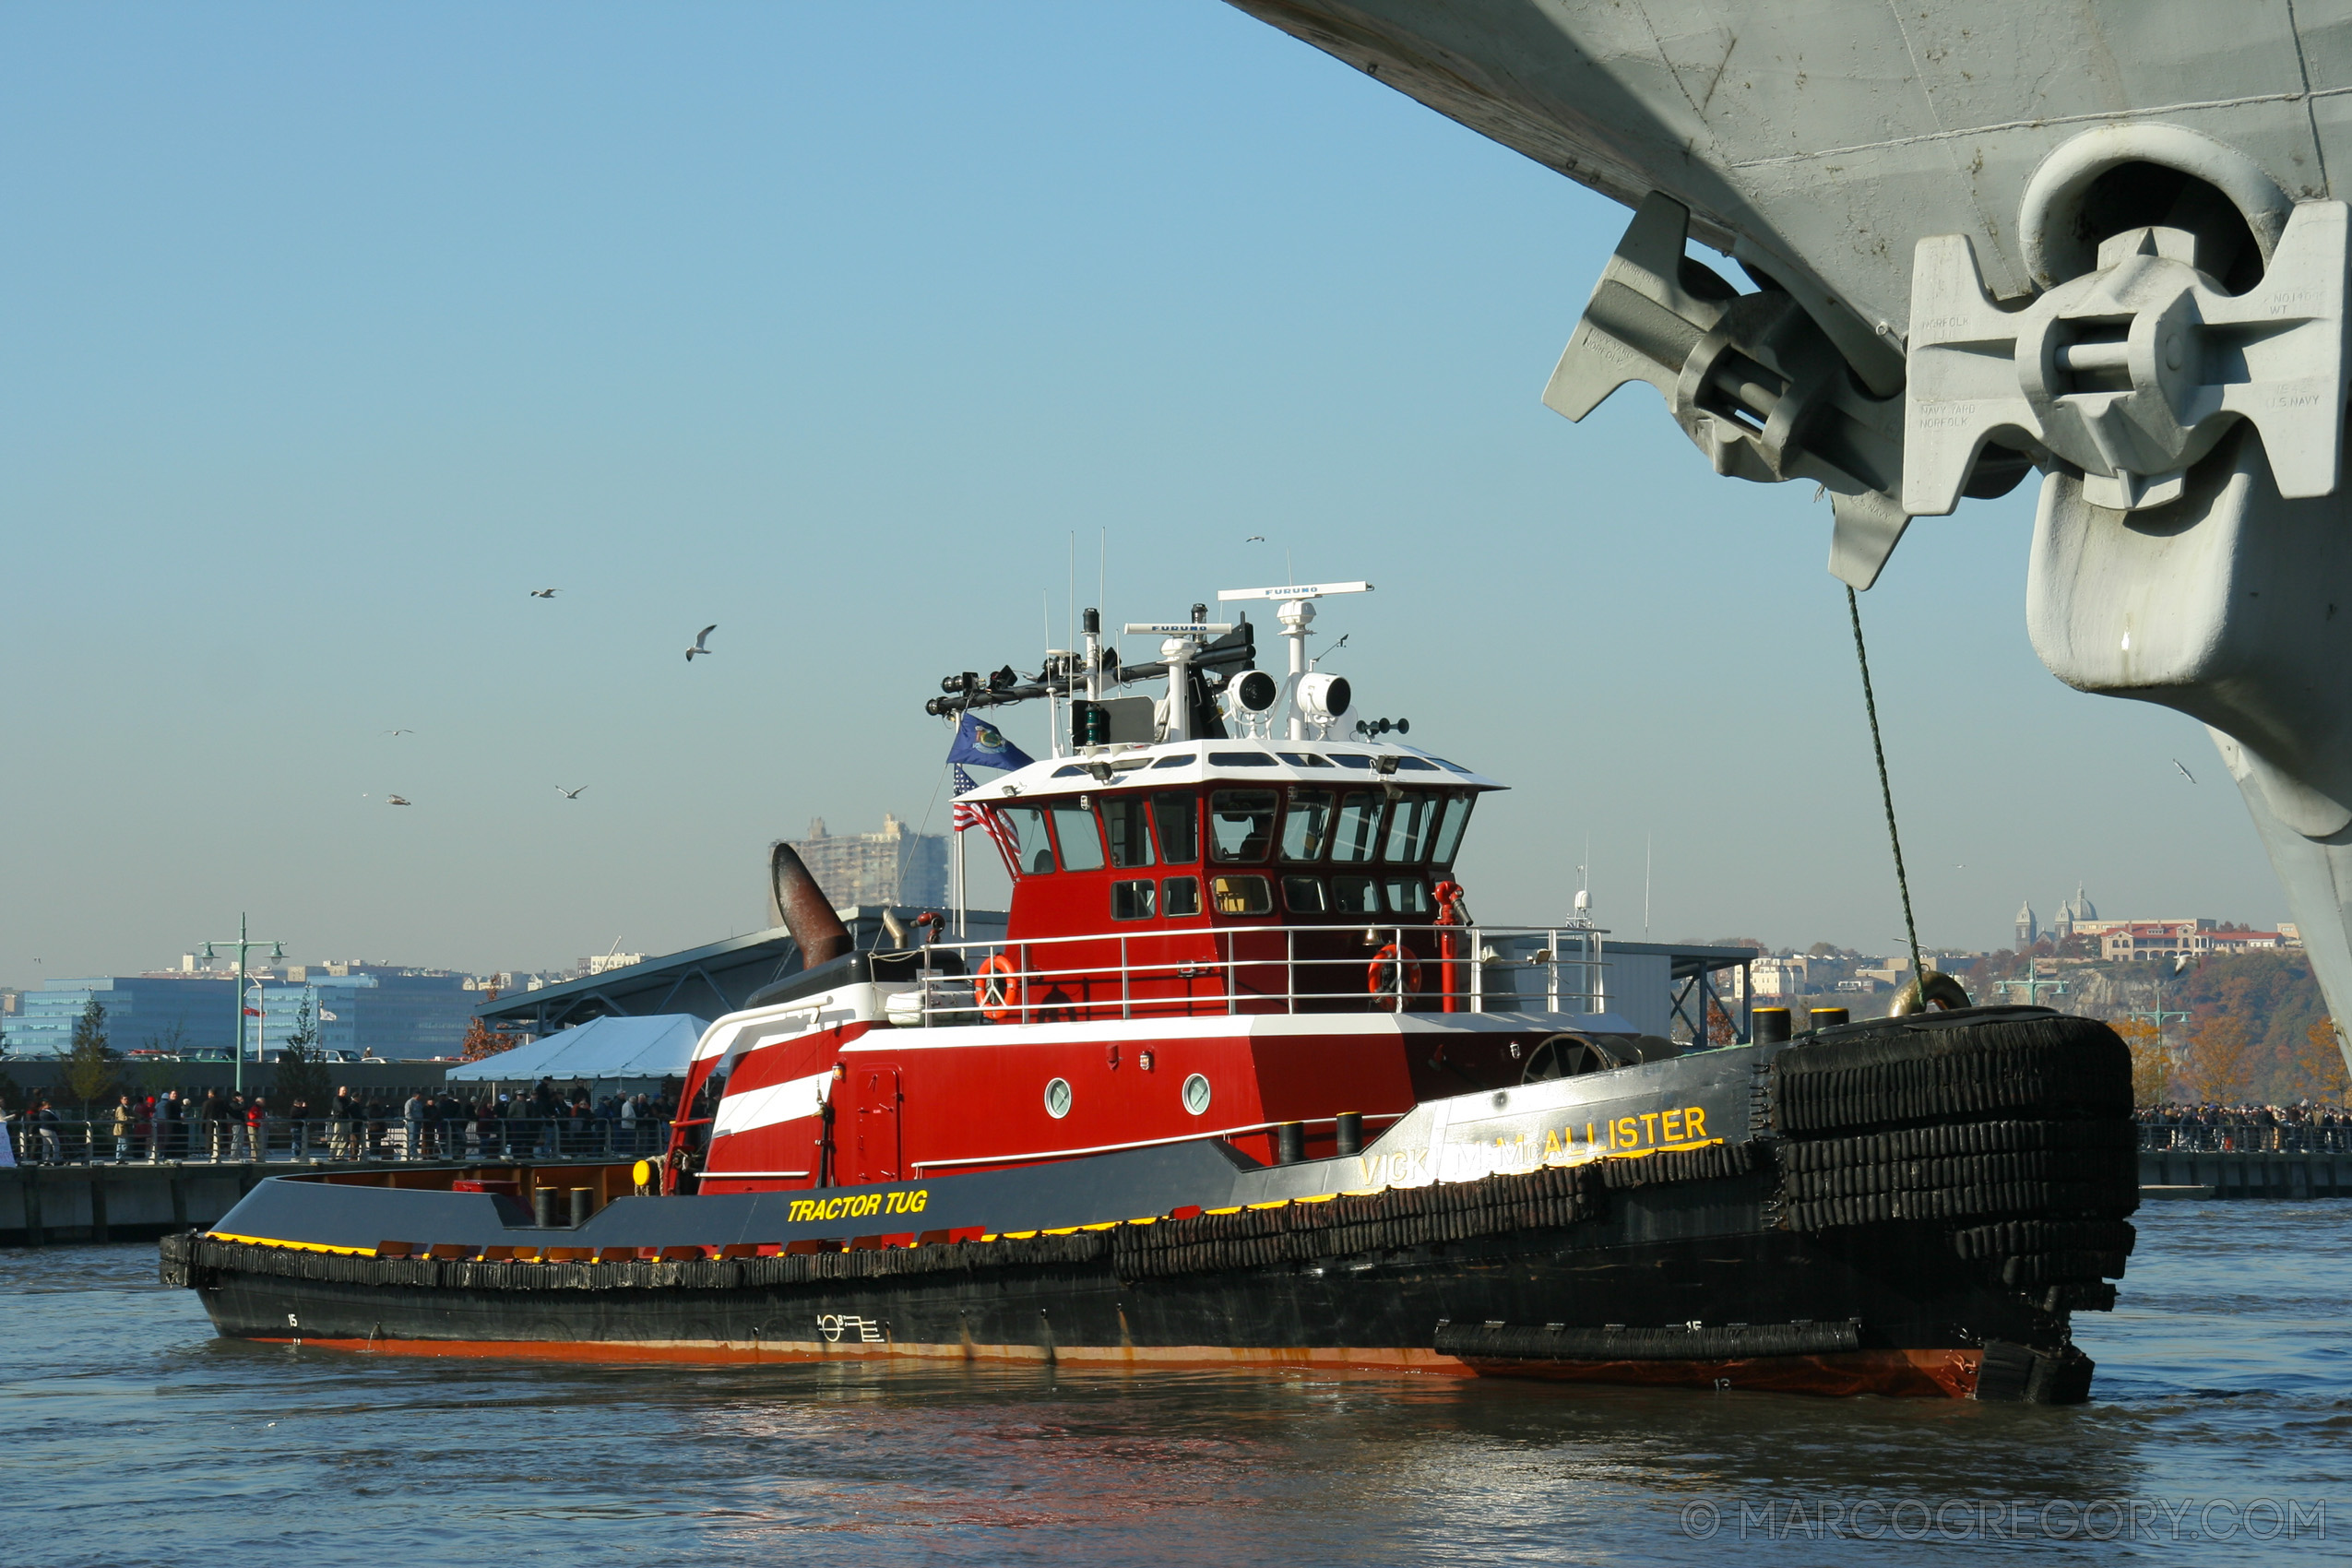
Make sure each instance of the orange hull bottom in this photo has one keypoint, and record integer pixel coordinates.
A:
(1950, 1374)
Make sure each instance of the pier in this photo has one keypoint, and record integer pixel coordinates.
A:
(47, 1205)
(2244, 1174)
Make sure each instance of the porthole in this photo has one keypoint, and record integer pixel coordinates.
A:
(1197, 1095)
(1057, 1098)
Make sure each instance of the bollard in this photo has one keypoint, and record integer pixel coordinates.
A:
(544, 1207)
(1772, 1026)
(1829, 1017)
(1289, 1143)
(583, 1204)
(1348, 1133)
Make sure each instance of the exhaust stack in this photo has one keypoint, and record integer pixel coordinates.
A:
(798, 904)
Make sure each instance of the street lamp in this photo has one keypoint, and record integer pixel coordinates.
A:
(243, 945)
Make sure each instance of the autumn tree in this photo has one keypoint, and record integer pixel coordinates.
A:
(2320, 1073)
(2216, 1063)
(481, 1041)
(2154, 1060)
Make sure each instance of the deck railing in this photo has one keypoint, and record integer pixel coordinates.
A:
(1233, 969)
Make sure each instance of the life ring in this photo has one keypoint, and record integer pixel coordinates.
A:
(1000, 989)
(1392, 975)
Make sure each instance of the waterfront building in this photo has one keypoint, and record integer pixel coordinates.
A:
(141, 1011)
(382, 1010)
(890, 869)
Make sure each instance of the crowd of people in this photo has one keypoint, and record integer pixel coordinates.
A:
(2302, 1128)
(545, 1122)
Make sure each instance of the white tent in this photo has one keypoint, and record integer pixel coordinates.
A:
(657, 1046)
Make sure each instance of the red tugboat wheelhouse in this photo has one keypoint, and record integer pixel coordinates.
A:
(1243, 1083)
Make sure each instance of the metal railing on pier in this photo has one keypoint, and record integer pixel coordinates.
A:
(44, 1140)
(2245, 1129)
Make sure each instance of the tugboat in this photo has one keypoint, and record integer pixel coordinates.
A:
(1243, 1083)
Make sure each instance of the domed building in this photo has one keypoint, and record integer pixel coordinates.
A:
(2029, 929)
(2073, 912)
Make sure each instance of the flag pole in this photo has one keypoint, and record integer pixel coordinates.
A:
(956, 831)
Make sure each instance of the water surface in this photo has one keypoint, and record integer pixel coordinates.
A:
(133, 1436)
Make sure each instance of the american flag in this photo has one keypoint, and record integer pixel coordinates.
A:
(964, 814)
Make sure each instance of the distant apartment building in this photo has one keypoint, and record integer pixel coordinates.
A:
(1779, 978)
(877, 869)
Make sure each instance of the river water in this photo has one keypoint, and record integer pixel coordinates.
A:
(2221, 1430)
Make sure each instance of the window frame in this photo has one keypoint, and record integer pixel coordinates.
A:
(1150, 887)
(1167, 899)
(1141, 805)
(1191, 801)
(1055, 808)
(1273, 826)
(1216, 894)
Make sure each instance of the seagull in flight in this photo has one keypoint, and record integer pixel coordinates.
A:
(544, 593)
(2185, 772)
(395, 800)
(569, 795)
(702, 642)
(399, 731)
(1255, 539)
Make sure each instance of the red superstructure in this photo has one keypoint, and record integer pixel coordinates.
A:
(1219, 932)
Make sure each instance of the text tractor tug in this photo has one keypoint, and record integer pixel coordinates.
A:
(1243, 1083)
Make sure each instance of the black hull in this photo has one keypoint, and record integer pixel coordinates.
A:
(1894, 1309)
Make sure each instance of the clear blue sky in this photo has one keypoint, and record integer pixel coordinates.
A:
(329, 331)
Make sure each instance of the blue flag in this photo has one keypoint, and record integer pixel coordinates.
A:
(984, 745)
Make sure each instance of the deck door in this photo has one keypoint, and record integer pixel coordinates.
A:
(875, 1139)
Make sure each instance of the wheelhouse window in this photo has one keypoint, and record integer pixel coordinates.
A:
(1175, 813)
(1357, 833)
(1243, 895)
(1407, 896)
(1241, 825)
(1304, 895)
(1354, 895)
(1133, 900)
(1447, 838)
(1074, 827)
(1182, 896)
(1410, 821)
(1124, 824)
(1306, 829)
(1032, 850)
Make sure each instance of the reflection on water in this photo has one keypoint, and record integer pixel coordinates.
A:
(133, 1437)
